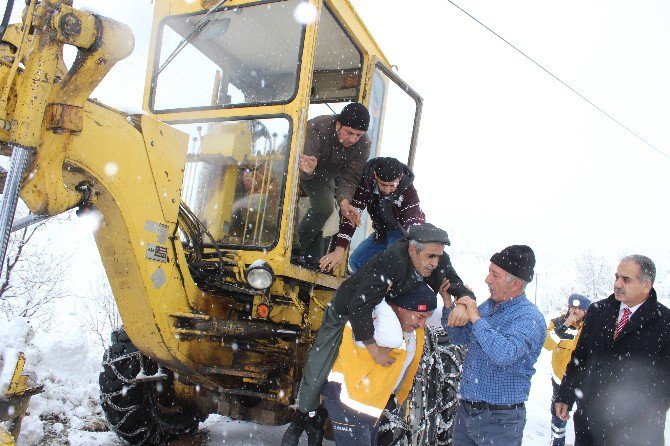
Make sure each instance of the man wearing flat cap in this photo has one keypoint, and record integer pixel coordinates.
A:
(414, 260)
(331, 165)
(504, 336)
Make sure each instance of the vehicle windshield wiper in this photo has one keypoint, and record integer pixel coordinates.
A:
(195, 31)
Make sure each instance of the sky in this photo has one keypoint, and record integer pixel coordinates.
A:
(506, 154)
(518, 157)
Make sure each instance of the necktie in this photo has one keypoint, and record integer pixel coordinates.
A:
(622, 322)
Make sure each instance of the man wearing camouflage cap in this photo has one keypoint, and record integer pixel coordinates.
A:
(416, 259)
(504, 336)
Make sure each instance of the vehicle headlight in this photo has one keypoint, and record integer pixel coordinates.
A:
(260, 275)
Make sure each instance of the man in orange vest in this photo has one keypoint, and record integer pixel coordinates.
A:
(562, 335)
(358, 388)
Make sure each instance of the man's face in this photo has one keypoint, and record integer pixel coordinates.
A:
(387, 187)
(252, 179)
(411, 320)
(500, 287)
(628, 288)
(247, 179)
(425, 262)
(347, 136)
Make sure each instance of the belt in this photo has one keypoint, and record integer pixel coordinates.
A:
(481, 405)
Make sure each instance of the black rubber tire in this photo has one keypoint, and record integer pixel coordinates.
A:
(141, 413)
(428, 417)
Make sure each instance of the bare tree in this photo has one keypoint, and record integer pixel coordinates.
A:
(31, 280)
(555, 301)
(594, 276)
(101, 315)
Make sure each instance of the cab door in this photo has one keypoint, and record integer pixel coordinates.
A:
(395, 114)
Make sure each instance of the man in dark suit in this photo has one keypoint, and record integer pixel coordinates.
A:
(620, 370)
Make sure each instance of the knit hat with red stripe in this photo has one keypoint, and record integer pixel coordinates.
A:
(421, 299)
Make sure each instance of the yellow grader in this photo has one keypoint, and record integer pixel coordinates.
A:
(199, 195)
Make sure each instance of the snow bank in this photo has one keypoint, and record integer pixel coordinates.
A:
(69, 406)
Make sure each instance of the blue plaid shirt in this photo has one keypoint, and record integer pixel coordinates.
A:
(503, 346)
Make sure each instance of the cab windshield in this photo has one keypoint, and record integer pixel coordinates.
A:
(238, 56)
(234, 179)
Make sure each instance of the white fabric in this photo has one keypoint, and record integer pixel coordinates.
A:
(554, 337)
(632, 310)
(410, 339)
(388, 331)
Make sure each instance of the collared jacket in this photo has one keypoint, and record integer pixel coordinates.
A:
(335, 162)
(561, 342)
(388, 274)
(503, 346)
(624, 383)
(398, 210)
(366, 385)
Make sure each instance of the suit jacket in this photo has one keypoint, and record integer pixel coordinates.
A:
(623, 385)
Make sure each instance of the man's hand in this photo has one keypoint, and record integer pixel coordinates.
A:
(570, 320)
(562, 411)
(332, 260)
(350, 212)
(471, 306)
(380, 355)
(444, 292)
(458, 316)
(308, 164)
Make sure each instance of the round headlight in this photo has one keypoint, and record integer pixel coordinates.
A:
(260, 275)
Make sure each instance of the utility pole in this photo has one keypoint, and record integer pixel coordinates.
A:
(537, 282)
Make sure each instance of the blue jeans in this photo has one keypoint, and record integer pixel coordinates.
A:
(369, 248)
(557, 425)
(483, 427)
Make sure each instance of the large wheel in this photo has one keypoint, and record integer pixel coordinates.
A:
(427, 418)
(141, 411)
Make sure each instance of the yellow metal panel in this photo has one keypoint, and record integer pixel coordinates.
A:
(166, 150)
(114, 158)
(5, 438)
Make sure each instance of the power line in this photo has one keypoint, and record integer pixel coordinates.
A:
(619, 123)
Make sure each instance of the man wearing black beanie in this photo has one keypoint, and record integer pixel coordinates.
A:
(387, 192)
(504, 336)
(336, 148)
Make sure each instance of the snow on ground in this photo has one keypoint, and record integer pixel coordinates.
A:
(68, 411)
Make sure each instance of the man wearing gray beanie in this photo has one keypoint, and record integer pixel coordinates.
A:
(336, 148)
(504, 336)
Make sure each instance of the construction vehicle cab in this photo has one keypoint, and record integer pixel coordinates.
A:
(241, 80)
(198, 194)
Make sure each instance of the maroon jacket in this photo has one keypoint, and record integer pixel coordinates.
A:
(399, 210)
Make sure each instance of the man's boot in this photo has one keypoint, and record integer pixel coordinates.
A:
(315, 427)
(295, 429)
